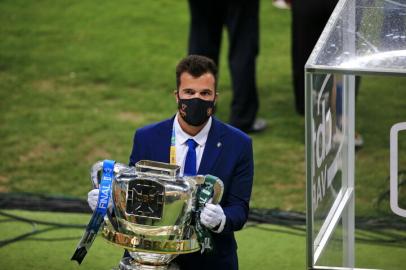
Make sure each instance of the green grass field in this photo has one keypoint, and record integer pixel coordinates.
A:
(53, 249)
(259, 247)
(78, 77)
(76, 80)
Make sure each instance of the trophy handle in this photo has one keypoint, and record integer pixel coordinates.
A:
(97, 169)
(95, 173)
(218, 189)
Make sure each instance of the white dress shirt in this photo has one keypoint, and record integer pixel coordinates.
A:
(181, 145)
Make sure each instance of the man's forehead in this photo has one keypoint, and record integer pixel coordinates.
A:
(204, 81)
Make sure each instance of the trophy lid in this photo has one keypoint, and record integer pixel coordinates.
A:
(155, 168)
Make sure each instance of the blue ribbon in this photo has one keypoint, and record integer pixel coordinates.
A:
(98, 215)
(105, 187)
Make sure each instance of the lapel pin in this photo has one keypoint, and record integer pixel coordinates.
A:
(218, 144)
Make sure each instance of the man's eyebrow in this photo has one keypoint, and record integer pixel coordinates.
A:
(206, 90)
(201, 90)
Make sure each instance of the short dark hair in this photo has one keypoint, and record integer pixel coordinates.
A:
(196, 65)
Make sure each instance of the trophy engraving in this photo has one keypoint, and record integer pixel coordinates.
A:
(145, 199)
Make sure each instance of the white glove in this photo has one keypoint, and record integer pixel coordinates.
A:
(212, 216)
(92, 197)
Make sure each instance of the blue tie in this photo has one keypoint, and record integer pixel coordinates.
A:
(190, 163)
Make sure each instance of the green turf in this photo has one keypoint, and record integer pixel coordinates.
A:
(259, 247)
(53, 249)
(77, 78)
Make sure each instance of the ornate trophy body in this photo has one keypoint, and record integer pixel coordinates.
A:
(154, 212)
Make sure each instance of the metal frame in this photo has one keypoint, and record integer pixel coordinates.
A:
(309, 168)
(349, 214)
(343, 205)
(394, 204)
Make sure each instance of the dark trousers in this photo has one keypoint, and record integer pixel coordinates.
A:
(218, 261)
(308, 20)
(241, 19)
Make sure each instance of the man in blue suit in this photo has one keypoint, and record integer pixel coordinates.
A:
(219, 149)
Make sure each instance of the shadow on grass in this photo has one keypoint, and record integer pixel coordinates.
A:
(35, 231)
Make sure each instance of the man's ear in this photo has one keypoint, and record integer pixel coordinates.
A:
(175, 93)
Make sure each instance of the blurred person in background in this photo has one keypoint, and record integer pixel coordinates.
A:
(308, 21)
(309, 17)
(241, 19)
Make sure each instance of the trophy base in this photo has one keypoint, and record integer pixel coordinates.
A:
(128, 263)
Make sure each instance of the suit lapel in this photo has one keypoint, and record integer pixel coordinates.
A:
(213, 147)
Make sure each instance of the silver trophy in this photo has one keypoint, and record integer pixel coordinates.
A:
(154, 215)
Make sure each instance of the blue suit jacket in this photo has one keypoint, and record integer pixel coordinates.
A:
(227, 155)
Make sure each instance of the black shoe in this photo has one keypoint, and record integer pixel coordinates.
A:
(259, 125)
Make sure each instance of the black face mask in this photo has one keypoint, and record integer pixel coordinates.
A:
(195, 111)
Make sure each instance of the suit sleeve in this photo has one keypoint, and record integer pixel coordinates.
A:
(236, 205)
